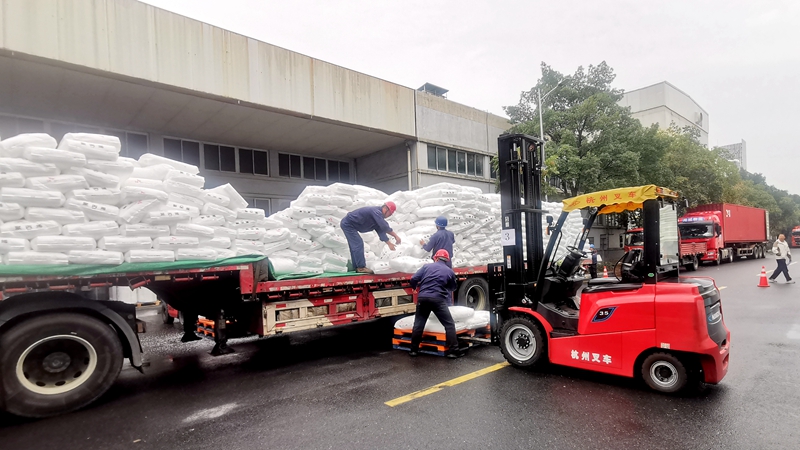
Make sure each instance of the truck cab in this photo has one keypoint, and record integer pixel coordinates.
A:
(646, 321)
(633, 239)
(704, 228)
(795, 236)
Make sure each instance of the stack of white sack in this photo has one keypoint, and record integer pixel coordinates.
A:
(571, 230)
(79, 202)
(464, 317)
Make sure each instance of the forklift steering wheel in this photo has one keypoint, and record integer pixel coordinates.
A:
(574, 250)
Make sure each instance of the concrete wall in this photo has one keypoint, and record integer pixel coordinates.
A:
(127, 38)
(663, 103)
(386, 170)
(441, 121)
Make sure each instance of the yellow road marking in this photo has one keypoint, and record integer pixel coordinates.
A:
(722, 287)
(450, 383)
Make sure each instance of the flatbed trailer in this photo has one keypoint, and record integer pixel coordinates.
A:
(62, 341)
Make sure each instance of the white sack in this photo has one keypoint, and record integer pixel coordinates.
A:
(167, 217)
(61, 183)
(11, 211)
(143, 229)
(209, 221)
(215, 198)
(12, 179)
(185, 177)
(236, 200)
(35, 259)
(90, 150)
(62, 244)
(93, 211)
(195, 254)
(95, 178)
(149, 159)
(135, 212)
(27, 168)
(14, 245)
(124, 243)
(135, 193)
(211, 209)
(217, 242)
(29, 230)
(175, 242)
(97, 195)
(182, 188)
(139, 256)
(120, 168)
(192, 229)
(95, 257)
(15, 146)
(62, 159)
(91, 229)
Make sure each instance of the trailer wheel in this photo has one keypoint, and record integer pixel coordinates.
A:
(665, 373)
(57, 363)
(165, 317)
(474, 293)
(522, 342)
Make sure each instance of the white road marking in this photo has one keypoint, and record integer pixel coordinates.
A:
(211, 413)
(794, 332)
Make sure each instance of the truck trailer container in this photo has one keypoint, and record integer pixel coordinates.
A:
(727, 230)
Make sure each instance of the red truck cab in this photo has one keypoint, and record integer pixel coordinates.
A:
(703, 228)
(633, 239)
(795, 236)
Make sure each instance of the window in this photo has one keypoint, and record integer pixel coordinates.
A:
(492, 172)
(262, 203)
(432, 158)
(451, 161)
(455, 161)
(211, 156)
(260, 162)
(172, 149)
(479, 162)
(310, 168)
(135, 145)
(462, 162)
(227, 159)
(191, 152)
(471, 163)
(441, 159)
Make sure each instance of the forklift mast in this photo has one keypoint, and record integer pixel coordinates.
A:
(520, 172)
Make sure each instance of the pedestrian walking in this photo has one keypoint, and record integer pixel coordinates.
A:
(441, 240)
(364, 220)
(436, 284)
(783, 256)
(595, 259)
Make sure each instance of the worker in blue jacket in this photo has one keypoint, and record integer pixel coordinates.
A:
(441, 240)
(364, 220)
(435, 284)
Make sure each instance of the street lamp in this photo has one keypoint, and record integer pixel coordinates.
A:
(541, 126)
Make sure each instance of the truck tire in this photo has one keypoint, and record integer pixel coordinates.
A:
(165, 317)
(693, 265)
(665, 373)
(474, 293)
(719, 258)
(730, 255)
(522, 342)
(57, 363)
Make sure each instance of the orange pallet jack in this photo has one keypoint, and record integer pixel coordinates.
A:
(436, 343)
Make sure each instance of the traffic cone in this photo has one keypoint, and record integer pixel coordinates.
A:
(763, 281)
(605, 272)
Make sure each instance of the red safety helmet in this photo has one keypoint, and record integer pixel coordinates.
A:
(441, 254)
(391, 206)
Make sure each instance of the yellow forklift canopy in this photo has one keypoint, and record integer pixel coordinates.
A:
(618, 200)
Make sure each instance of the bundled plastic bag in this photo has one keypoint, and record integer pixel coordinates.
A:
(29, 230)
(250, 213)
(301, 245)
(62, 244)
(11, 211)
(35, 259)
(140, 256)
(122, 168)
(191, 210)
(144, 182)
(255, 246)
(215, 198)
(27, 168)
(195, 254)
(332, 240)
(93, 211)
(278, 234)
(61, 183)
(217, 242)
(143, 229)
(14, 245)
(224, 253)
(282, 266)
(192, 229)
(175, 242)
(90, 150)
(12, 179)
(243, 223)
(182, 188)
(166, 217)
(229, 233)
(95, 257)
(135, 212)
(95, 178)
(210, 209)
(185, 177)
(149, 159)
(209, 221)
(94, 230)
(62, 159)
(251, 233)
(98, 139)
(124, 243)
(236, 200)
(186, 200)
(97, 195)
(15, 146)
(135, 193)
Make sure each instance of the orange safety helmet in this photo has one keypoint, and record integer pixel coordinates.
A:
(441, 254)
(391, 206)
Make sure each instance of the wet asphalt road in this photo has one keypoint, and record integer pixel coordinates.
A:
(326, 389)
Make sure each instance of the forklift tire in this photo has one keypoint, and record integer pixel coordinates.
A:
(57, 363)
(665, 373)
(165, 317)
(522, 343)
(474, 293)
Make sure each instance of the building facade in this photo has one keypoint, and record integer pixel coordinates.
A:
(736, 153)
(665, 104)
(267, 120)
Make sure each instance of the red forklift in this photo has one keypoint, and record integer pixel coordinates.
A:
(645, 321)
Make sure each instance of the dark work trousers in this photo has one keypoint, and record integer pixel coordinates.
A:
(593, 270)
(356, 245)
(437, 306)
(782, 268)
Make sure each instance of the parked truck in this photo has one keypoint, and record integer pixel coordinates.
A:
(691, 252)
(795, 240)
(726, 230)
(62, 341)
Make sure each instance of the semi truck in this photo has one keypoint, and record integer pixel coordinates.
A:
(691, 252)
(62, 341)
(728, 231)
(795, 240)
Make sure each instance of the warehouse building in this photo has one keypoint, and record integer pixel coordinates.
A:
(265, 119)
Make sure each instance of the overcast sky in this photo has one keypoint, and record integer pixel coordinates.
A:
(740, 60)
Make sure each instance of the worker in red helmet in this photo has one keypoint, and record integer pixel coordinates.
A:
(364, 220)
(435, 284)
